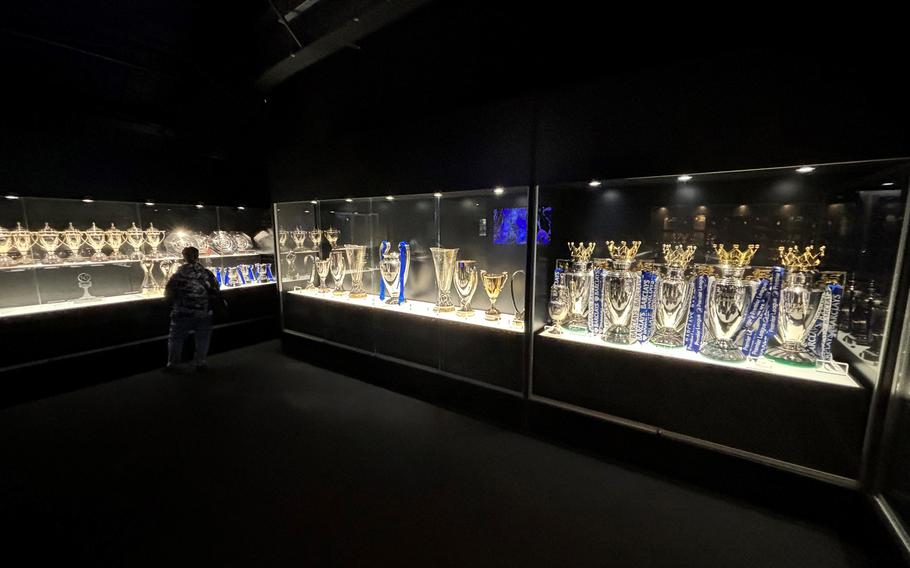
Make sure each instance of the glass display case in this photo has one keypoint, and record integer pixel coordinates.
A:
(58, 254)
(742, 309)
(436, 280)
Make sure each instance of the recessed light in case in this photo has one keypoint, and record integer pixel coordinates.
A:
(498, 190)
(684, 178)
(199, 206)
(314, 202)
(805, 169)
(888, 184)
(389, 198)
(437, 194)
(12, 196)
(349, 200)
(593, 183)
(150, 203)
(241, 208)
(88, 200)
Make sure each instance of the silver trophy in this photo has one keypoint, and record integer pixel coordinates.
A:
(336, 267)
(153, 237)
(577, 276)
(465, 279)
(221, 242)
(331, 235)
(315, 236)
(728, 298)
(135, 237)
(84, 281)
(356, 257)
(49, 240)
(149, 284)
(799, 307)
(394, 270)
(621, 286)
(291, 258)
(518, 320)
(673, 297)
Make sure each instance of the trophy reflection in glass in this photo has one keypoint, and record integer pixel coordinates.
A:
(96, 239)
(322, 270)
(465, 279)
(23, 239)
(444, 263)
(316, 237)
(576, 277)
(394, 270)
(728, 298)
(558, 306)
(620, 289)
(149, 285)
(153, 237)
(673, 297)
(798, 306)
(493, 283)
(336, 266)
(135, 237)
(49, 240)
(115, 239)
(6, 245)
(309, 275)
(282, 238)
(291, 259)
(165, 267)
(298, 235)
(356, 257)
(331, 235)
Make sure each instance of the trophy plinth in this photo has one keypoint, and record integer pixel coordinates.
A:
(723, 350)
(668, 337)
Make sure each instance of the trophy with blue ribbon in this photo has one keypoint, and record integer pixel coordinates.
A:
(621, 287)
(673, 297)
(576, 277)
(799, 306)
(393, 270)
(727, 300)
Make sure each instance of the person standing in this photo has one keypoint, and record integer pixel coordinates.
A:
(191, 293)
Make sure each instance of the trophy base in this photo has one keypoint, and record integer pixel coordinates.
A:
(492, 315)
(668, 337)
(723, 350)
(443, 309)
(357, 295)
(618, 334)
(391, 300)
(796, 358)
(98, 257)
(51, 259)
(338, 292)
(465, 313)
(324, 290)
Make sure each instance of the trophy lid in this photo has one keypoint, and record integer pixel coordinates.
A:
(735, 256)
(581, 252)
(677, 256)
(792, 259)
(623, 251)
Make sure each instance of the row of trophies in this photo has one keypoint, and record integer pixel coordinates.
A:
(96, 241)
(717, 311)
(299, 236)
(227, 277)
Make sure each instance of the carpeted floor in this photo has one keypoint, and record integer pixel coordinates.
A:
(269, 461)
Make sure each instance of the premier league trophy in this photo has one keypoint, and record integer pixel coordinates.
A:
(153, 237)
(115, 239)
(135, 237)
(331, 235)
(444, 263)
(673, 297)
(6, 245)
(465, 279)
(493, 283)
(49, 240)
(728, 298)
(798, 306)
(356, 257)
(96, 239)
(576, 277)
(620, 290)
(394, 267)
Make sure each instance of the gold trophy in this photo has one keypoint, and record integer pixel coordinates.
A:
(6, 245)
(444, 263)
(322, 270)
(135, 237)
(96, 239)
(465, 284)
(315, 236)
(115, 239)
(336, 267)
(493, 283)
(673, 297)
(22, 242)
(73, 239)
(153, 237)
(798, 306)
(728, 299)
(331, 235)
(49, 240)
(356, 257)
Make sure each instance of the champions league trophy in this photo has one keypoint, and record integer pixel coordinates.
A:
(49, 240)
(394, 266)
(673, 297)
(728, 298)
(620, 289)
(444, 263)
(799, 307)
(465, 280)
(96, 239)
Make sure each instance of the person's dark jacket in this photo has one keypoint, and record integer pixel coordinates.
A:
(189, 291)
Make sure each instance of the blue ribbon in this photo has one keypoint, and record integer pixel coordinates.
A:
(217, 272)
(403, 258)
(226, 275)
(557, 276)
(241, 275)
(825, 329)
(268, 273)
(767, 324)
(695, 323)
(252, 276)
(595, 303)
(646, 306)
(757, 308)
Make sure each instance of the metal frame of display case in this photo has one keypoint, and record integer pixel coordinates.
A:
(899, 287)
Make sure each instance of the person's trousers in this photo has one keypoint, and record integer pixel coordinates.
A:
(180, 328)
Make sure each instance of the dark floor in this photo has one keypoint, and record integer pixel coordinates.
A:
(270, 461)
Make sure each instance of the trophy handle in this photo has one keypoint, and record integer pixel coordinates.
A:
(405, 258)
(512, 290)
(383, 248)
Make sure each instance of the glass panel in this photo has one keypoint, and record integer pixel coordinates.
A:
(297, 252)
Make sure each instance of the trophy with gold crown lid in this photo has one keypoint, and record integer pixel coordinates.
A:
(619, 292)
(798, 306)
(728, 299)
(673, 297)
(577, 279)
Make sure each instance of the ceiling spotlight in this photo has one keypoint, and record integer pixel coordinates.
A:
(886, 184)
(437, 194)
(314, 202)
(150, 203)
(12, 196)
(805, 169)
(684, 178)
(498, 190)
(88, 200)
(389, 198)
(593, 183)
(349, 200)
(199, 206)
(240, 208)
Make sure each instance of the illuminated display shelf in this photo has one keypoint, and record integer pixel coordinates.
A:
(100, 301)
(761, 365)
(416, 308)
(125, 261)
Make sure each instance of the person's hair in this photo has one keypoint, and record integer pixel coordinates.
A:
(191, 254)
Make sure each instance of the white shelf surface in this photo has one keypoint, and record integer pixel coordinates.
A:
(416, 308)
(123, 261)
(99, 301)
(761, 365)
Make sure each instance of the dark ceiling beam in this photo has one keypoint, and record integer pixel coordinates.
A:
(345, 36)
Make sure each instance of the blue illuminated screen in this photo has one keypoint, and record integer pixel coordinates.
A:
(510, 226)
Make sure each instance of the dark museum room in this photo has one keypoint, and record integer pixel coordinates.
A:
(453, 283)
